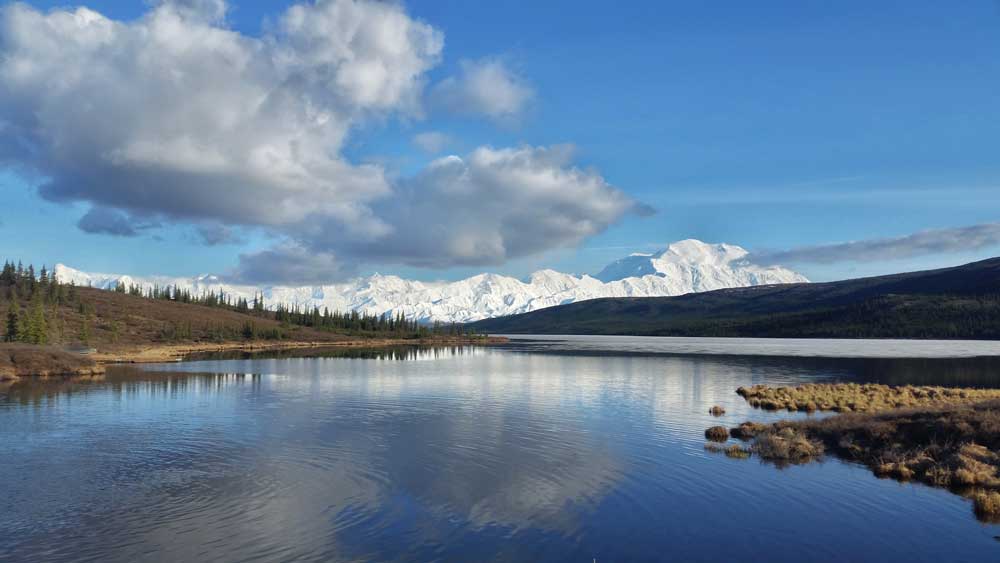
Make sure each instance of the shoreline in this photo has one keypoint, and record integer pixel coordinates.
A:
(148, 354)
(88, 365)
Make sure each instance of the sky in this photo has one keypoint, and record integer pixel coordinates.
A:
(286, 142)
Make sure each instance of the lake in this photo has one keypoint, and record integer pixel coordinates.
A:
(555, 449)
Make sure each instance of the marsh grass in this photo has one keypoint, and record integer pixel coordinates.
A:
(855, 397)
(951, 445)
(717, 433)
(735, 451)
(986, 505)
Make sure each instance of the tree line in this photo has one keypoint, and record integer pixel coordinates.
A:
(35, 297)
(321, 319)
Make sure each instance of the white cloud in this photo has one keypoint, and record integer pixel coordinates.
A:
(494, 205)
(485, 87)
(175, 117)
(431, 142)
(289, 264)
(922, 243)
(172, 114)
(207, 10)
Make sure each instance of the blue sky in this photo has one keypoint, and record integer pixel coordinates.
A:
(770, 125)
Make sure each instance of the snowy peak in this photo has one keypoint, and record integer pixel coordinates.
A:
(683, 267)
(693, 265)
(692, 251)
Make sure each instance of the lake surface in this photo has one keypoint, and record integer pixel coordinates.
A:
(539, 450)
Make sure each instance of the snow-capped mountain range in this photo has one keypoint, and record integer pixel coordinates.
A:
(683, 267)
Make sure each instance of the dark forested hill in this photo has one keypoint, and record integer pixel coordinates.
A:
(959, 302)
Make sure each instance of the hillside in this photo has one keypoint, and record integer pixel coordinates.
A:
(40, 310)
(959, 302)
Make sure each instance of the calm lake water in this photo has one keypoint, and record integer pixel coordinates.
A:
(540, 450)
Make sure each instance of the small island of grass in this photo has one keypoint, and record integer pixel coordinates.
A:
(938, 436)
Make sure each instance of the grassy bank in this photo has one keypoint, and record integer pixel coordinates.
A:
(854, 397)
(153, 353)
(22, 360)
(42, 317)
(941, 437)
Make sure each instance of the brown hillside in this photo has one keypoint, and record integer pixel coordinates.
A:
(108, 320)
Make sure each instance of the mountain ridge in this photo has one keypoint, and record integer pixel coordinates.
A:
(683, 267)
(957, 302)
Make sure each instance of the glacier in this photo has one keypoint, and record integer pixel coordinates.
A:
(682, 267)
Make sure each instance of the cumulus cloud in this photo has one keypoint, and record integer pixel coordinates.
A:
(486, 87)
(105, 221)
(289, 264)
(431, 142)
(192, 120)
(208, 10)
(175, 116)
(936, 241)
(214, 235)
(494, 205)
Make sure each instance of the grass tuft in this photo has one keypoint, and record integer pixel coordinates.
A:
(717, 433)
(986, 505)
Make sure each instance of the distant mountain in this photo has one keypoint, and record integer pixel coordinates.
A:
(683, 267)
(960, 302)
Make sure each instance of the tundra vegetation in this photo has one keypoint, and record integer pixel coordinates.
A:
(37, 308)
(41, 317)
(938, 436)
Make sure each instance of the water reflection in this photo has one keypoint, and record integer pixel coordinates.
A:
(414, 352)
(457, 454)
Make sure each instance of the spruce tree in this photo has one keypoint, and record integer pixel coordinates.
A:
(38, 331)
(13, 326)
(85, 330)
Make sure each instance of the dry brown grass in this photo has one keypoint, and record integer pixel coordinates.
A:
(737, 451)
(734, 451)
(716, 411)
(949, 445)
(855, 397)
(786, 445)
(747, 430)
(986, 505)
(18, 360)
(717, 433)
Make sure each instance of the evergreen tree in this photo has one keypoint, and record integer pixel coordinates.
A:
(85, 330)
(38, 332)
(13, 326)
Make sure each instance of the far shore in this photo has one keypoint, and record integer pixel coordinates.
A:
(41, 361)
(157, 353)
